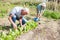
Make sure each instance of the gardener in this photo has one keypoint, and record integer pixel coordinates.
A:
(40, 10)
(18, 13)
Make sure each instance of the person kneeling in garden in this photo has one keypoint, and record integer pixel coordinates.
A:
(18, 13)
(40, 10)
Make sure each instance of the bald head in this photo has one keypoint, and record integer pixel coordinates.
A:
(24, 11)
(44, 4)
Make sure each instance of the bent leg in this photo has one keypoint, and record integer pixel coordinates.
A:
(23, 21)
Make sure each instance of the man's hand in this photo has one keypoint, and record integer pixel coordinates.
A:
(23, 26)
(15, 26)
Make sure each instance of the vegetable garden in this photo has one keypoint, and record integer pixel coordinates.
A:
(30, 25)
(12, 34)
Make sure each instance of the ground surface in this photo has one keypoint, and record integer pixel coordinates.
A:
(48, 30)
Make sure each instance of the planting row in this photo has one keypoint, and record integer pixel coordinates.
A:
(12, 34)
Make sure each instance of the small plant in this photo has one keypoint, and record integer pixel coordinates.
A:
(14, 33)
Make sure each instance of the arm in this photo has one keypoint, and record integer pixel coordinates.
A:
(20, 21)
(10, 19)
(44, 8)
(42, 11)
(37, 13)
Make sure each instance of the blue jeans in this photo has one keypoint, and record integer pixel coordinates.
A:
(14, 18)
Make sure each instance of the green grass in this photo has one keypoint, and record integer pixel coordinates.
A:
(4, 7)
(52, 14)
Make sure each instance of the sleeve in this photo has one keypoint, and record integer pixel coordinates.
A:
(13, 11)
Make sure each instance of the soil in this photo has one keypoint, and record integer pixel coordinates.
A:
(47, 29)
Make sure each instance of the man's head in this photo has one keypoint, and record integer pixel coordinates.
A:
(43, 5)
(24, 11)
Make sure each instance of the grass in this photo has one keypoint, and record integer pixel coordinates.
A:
(52, 14)
(6, 7)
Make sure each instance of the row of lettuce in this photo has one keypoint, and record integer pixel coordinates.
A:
(12, 34)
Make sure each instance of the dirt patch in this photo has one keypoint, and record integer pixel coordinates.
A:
(47, 30)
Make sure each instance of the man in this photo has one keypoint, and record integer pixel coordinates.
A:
(18, 13)
(40, 10)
